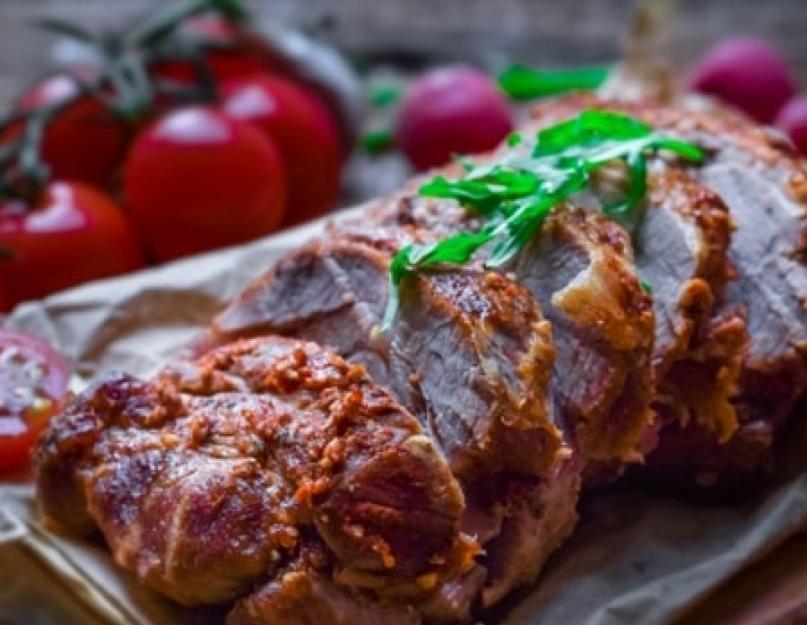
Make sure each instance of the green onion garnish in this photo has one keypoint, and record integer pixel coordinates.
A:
(523, 83)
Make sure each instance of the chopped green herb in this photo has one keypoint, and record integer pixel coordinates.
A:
(516, 194)
(376, 141)
(646, 287)
(513, 139)
(523, 83)
(381, 96)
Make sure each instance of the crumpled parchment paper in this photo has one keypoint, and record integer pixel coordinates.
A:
(635, 558)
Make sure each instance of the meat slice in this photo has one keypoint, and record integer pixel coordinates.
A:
(332, 293)
(303, 594)
(536, 517)
(469, 352)
(680, 244)
(305, 598)
(764, 184)
(579, 270)
(222, 471)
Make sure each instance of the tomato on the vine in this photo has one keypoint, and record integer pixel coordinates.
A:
(84, 142)
(33, 383)
(71, 234)
(196, 180)
(305, 132)
(228, 57)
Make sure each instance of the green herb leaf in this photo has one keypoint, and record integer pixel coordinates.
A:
(377, 141)
(523, 83)
(516, 194)
(624, 213)
(483, 192)
(590, 129)
(456, 249)
(685, 150)
(382, 96)
(513, 139)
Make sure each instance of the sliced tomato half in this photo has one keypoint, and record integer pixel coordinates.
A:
(33, 384)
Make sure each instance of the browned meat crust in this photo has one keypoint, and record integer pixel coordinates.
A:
(580, 272)
(220, 471)
(757, 372)
(303, 595)
(274, 471)
(680, 250)
(469, 352)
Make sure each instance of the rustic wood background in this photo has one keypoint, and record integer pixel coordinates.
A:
(548, 32)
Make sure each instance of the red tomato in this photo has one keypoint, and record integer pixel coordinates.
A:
(74, 233)
(196, 180)
(304, 131)
(84, 142)
(226, 62)
(33, 383)
(451, 110)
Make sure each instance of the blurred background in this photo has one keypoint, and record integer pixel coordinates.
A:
(545, 32)
(107, 106)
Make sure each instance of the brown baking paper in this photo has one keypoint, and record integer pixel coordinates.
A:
(635, 558)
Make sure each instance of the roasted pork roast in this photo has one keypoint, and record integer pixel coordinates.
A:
(306, 467)
(260, 461)
(469, 353)
(727, 399)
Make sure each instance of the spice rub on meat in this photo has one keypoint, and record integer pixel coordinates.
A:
(470, 354)
(232, 469)
(729, 397)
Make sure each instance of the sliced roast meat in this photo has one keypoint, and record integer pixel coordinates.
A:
(456, 599)
(579, 269)
(680, 244)
(520, 522)
(680, 250)
(305, 594)
(214, 475)
(330, 293)
(537, 517)
(469, 351)
(764, 184)
(305, 598)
